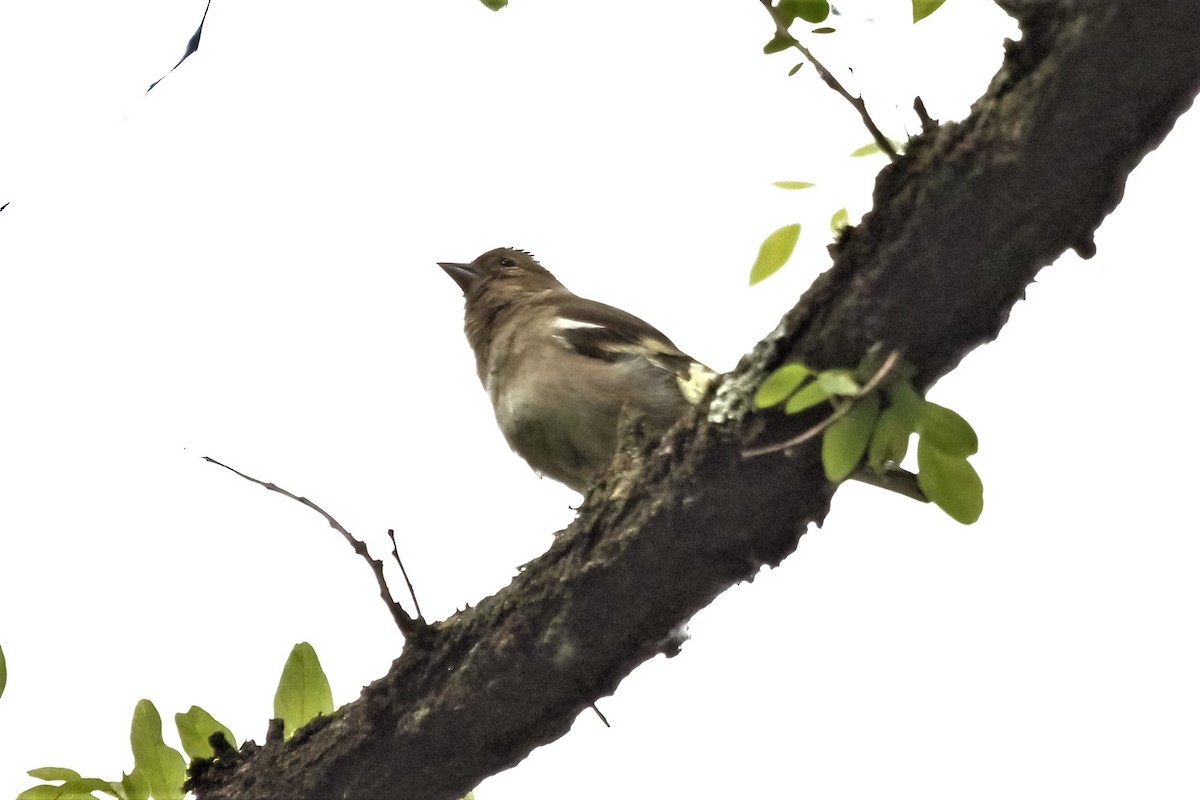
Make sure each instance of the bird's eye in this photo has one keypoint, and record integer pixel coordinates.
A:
(507, 262)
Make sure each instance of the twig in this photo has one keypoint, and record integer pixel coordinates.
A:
(408, 626)
(928, 123)
(404, 572)
(782, 29)
(894, 479)
(889, 363)
(603, 718)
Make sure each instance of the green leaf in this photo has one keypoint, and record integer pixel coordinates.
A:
(195, 727)
(845, 441)
(3, 672)
(780, 42)
(813, 11)
(950, 482)
(82, 788)
(907, 402)
(495, 5)
(811, 395)
(947, 431)
(780, 384)
(824, 30)
(145, 732)
(90, 785)
(840, 219)
(163, 767)
(889, 440)
(74, 788)
(135, 785)
(838, 381)
(303, 691)
(775, 251)
(793, 184)
(795, 69)
(53, 774)
(923, 8)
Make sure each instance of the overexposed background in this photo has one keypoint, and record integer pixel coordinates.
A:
(241, 264)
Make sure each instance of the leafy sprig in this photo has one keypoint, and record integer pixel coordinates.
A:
(159, 770)
(874, 414)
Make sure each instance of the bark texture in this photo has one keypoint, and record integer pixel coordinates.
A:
(960, 226)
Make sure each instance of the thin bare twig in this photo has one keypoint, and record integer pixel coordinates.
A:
(404, 572)
(889, 363)
(408, 626)
(927, 123)
(781, 28)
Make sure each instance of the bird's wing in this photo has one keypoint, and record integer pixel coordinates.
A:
(604, 332)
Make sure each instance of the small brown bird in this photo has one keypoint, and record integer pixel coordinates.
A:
(562, 370)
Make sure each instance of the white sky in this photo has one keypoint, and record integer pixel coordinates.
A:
(241, 264)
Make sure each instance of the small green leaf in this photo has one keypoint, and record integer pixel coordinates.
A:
(163, 767)
(53, 774)
(907, 402)
(889, 440)
(781, 42)
(793, 184)
(824, 30)
(811, 395)
(950, 482)
(82, 788)
(776, 249)
(813, 11)
(846, 440)
(923, 8)
(145, 732)
(303, 691)
(947, 431)
(840, 219)
(3, 672)
(795, 69)
(85, 786)
(780, 384)
(495, 5)
(135, 785)
(195, 727)
(73, 786)
(838, 381)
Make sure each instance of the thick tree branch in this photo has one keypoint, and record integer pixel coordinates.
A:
(960, 227)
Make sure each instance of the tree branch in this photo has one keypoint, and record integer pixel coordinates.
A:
(959, 228)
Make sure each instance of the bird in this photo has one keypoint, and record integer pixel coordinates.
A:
(563, 371)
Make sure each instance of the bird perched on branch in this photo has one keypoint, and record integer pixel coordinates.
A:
(562, 371)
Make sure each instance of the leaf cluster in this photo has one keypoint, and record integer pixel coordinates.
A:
(871, 425)
(159, 770)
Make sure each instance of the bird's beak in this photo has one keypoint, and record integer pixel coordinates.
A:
(465, 275)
